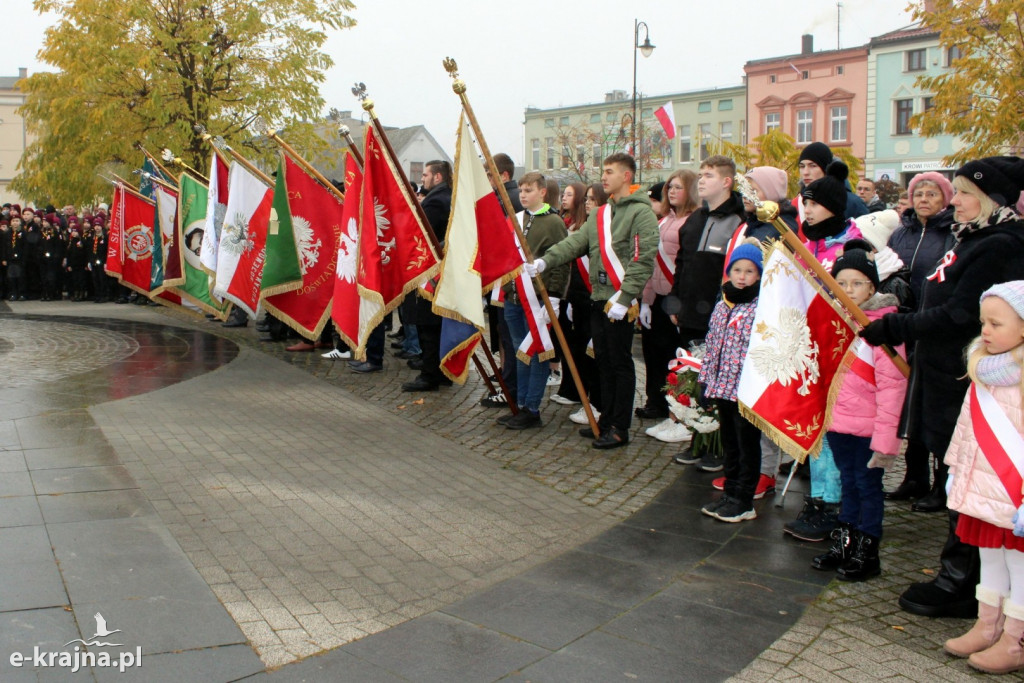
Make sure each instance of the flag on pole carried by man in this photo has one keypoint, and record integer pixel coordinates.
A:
(243, 239)
(301, 242)
(480, 253)
(396, 254)
(345, 302)
(799, 339)
(130, 240)
(192, 200)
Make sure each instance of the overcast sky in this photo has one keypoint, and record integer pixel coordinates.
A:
(513, 55)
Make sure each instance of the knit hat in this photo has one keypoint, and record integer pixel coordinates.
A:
(1001, 178)
(858, 260)
(830, 191)
(773, 182)
(931, 176)
(748, 251)
(1011, 292)
(818, 153)
(655, 190)
(877, 227)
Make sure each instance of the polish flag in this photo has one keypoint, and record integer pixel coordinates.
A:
(667, 118)
(243, 239)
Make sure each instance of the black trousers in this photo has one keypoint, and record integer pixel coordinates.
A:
(578, 335)
(613, 346)
(430, 346)
(741, 445)
(659, 346)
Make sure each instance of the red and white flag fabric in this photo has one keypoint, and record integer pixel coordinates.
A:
(316, 219)
(243, 239)
(480, 252)
(799, 339)
(396, 254)
(130, 240)
(666, 116)
(216, 206)
(345, 302)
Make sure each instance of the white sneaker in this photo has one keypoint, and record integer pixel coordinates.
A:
(580, 416)
(562, 400)
(674, 434)
(335, 354)
(660, 427)
(554, 379)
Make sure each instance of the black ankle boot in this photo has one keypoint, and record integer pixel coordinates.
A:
(935, 501)
(863, 563)
(842, 545)
(908, 490)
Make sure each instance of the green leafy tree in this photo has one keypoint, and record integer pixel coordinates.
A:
(132, 72)
(981, 97)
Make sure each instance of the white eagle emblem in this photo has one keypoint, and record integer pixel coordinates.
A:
(234, 238)
(309, 251)
(792, 356)
(347, 245)
(383, 224)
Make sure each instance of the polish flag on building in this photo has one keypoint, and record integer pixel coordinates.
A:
(243, 239)
(667, 118)
(799, 339)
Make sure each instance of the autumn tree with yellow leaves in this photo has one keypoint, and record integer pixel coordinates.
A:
(131, 72)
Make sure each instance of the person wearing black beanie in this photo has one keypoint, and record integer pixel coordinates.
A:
(825, 207)
(813, 164)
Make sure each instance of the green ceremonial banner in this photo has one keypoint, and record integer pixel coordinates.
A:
(192, 196)
(281, 270)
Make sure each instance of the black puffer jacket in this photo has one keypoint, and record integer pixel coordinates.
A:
(921, 247)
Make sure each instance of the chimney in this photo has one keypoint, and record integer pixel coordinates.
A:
(806, 44)
(929, 6)
(22, 72)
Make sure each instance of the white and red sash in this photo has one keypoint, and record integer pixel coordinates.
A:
(948, 259)
(863, 361)
(612, 264)
(999, 440)
(665, 264)
(583, 265)
(684, 362)
(538, 338)
(737, 238)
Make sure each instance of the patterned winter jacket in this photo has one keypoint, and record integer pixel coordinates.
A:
(727, 341)
(977, 490)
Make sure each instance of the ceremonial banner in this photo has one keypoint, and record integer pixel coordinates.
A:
(243, 239)
(480, 252)
(395, 251)
(667, 118)
(130, 240)
(167, 259)
(216, 206)
(192, 199)
(313, 216)
(345, 303)
(281, 272)
(798, 343)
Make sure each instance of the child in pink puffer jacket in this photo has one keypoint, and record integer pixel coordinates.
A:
(862, 432)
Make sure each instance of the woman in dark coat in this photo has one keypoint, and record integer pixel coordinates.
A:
(986, 251)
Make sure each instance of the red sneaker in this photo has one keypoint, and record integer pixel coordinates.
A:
(765, 485)
(718, 484)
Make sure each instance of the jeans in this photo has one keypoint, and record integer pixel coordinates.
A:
(531, 380)
(863, 497)
(411, 343)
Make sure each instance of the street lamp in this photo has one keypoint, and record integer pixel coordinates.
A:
(645, 49)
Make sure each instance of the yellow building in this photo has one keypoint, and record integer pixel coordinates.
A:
(13, 133)
(569, 143)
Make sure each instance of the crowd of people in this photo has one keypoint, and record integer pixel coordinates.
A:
(939, 275)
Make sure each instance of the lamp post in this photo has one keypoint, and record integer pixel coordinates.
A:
(645, 49)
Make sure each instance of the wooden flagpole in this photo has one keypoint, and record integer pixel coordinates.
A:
(459, 86)
(155, 161)
(129, 188)
(308, 167)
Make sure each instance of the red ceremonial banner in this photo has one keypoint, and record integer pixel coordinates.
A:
(130, 241)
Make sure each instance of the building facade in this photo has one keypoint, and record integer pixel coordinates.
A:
(811, 96)
(14, 137)
(895, 62)
(570, 143)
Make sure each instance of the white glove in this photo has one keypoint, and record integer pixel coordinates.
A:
(617, 311)
(645, 315)
(544, 316)
(536, 268)
(949, 484)
(887, 262)
(568, 312)
(881, 460)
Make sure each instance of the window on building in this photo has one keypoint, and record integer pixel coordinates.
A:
(839, 117)
(611, 117)
(772, 120)
(704, 107)
(549, 123)
(743, 131)
(725, 131)
(771, 78)
(805, 75)
(415, 169)
(684, 145)
(952, 54)
(646, 113)
(724, 105)
(904, 110)
(566, 157)
(563, 121)
(916, 59)
(535, 149)
(805, 126)
(598, 155)
(581, 156)
(704, 130)
(550, 144)
(595, 118)
(927, 103)
(840, 70)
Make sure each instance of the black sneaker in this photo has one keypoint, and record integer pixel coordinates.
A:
(688, 457)
(497, 400)
(507, 417)
(524, 419)
(733, 511)
(711, 462)
(711, 508)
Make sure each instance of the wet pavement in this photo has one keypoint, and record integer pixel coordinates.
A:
(233, 508)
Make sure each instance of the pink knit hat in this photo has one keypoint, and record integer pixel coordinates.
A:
(931, 176)
(773, 181)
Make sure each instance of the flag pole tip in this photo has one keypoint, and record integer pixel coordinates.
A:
(767, 212)
(343, 130)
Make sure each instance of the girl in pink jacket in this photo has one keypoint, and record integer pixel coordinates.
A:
(862, 433)
(986, 466)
